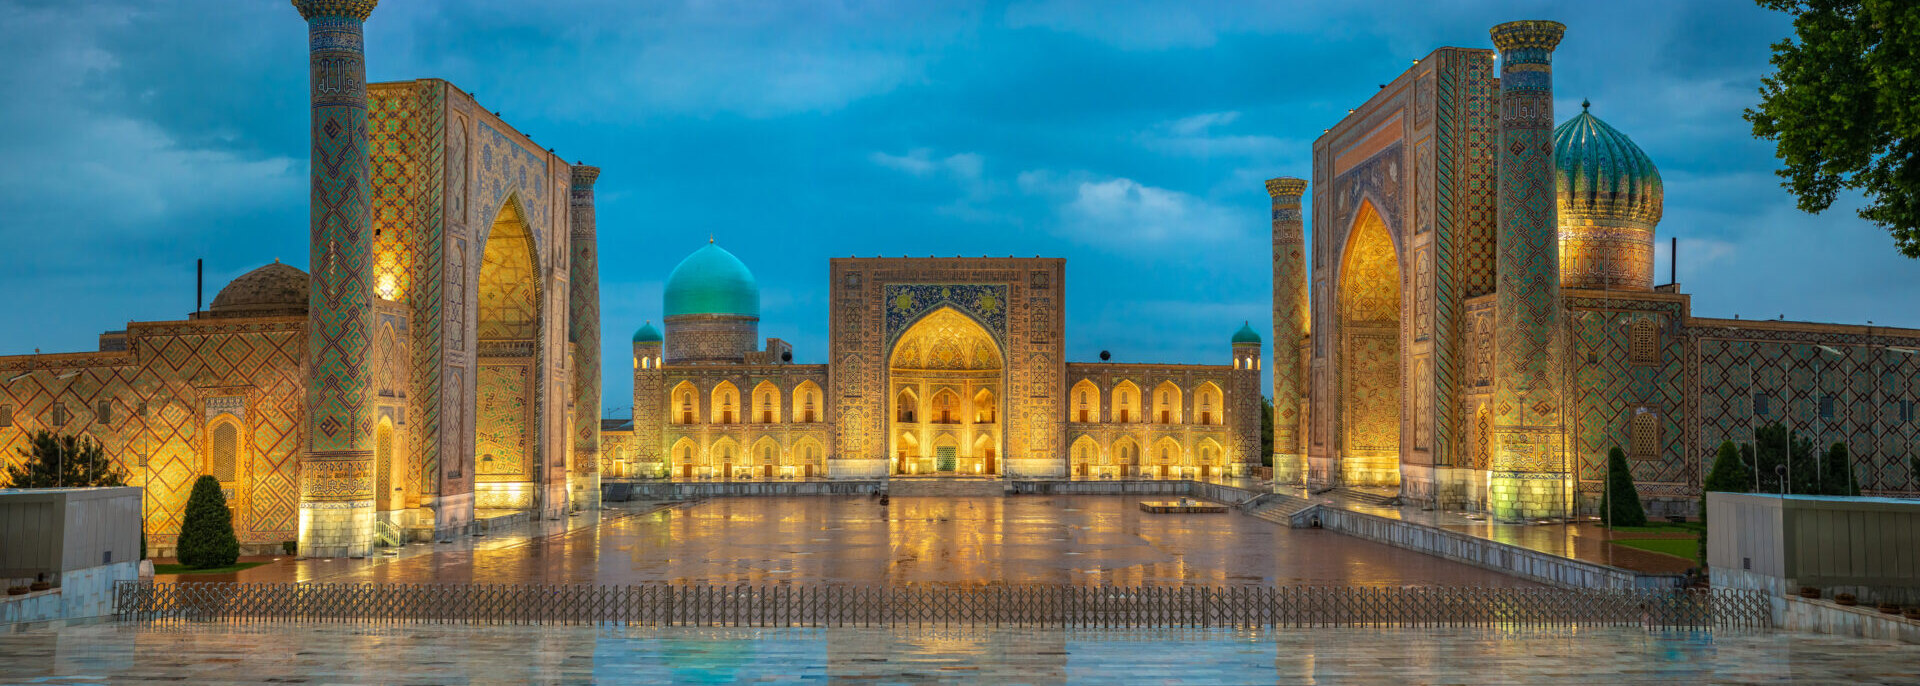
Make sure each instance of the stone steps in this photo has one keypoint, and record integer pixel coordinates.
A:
(960, 487)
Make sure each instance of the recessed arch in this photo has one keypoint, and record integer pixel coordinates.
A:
(766, 456)
(806, 402)
(1167, 401)
(1371, 302)
(725, 403)
(1126, 402)
(723, 456)
(1209, 404)
(809, 458)
(1085, 398)
(684, 403)
(944, 375)
(509, 312)
(685, 457)
(766, 403)
(1085, 454)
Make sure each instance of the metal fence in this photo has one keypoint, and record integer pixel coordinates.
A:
(923, 606)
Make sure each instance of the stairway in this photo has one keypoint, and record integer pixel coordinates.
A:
(1367, 497)
(1276, 507)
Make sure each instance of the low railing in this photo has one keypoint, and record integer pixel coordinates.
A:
(1028, 606)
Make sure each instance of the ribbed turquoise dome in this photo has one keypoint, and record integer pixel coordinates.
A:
(647, 334)
(1246, 334)
(1600, 173)
(712, 281)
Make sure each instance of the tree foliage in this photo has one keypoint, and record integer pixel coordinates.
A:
(206, 534)
(55, 461)
(1781, 454)
(1843, 108)
(1620, 505)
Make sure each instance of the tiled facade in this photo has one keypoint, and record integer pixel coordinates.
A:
(438, 325)
(1426, 160)
(936, 367)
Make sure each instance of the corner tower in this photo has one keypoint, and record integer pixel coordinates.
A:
(712, 306)
(1529, 471)
(337, 471)
(1290, 313)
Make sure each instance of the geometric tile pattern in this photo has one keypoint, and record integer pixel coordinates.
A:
(583, 322)
(1610, 388)
(1290, 312)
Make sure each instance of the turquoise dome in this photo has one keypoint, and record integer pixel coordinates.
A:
(1599, 173)
(1246, 334)
(647, 334)
(712, 281)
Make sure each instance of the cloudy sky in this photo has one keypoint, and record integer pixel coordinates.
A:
(1129, 137)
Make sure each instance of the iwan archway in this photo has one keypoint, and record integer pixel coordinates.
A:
(1369, 401)
(506, 430)
(945, 374)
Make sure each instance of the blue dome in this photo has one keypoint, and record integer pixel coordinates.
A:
(712, 281)
(647, 334)
(1600, 173)
(1246, 334)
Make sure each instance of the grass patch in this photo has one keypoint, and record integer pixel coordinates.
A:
(1683, 548)
(1663, 528)
(183, 569)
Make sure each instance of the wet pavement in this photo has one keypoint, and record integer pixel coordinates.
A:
(441, 654)
(915, 540)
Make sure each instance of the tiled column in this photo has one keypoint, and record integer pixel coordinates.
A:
(1290, 312)
(1528, 471)
(336, 473)
(583, 328)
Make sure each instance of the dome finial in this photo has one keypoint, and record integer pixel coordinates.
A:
(1584, 104)
(709, 238)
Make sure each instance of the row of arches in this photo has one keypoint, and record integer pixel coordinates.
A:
(1168, 403)
(945, 407)
(946, 453)
(724, 404)
(1164, 458)
(764, 458)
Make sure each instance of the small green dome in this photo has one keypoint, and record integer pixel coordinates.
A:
(1246, 334)
(1600, 173)
(647, 334)
(712, 281)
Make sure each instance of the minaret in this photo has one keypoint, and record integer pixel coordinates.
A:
(583, 329)
(1289, 327)
(1244, 413)
(336, 473)
(1529, 468)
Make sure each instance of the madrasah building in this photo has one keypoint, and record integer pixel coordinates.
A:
(1476, 325)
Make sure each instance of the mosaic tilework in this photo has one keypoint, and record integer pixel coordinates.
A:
(336, 470)
(1867, 378)
(906, 303)
(1528, 362)
(504, 424)
(583, 321)
(1610, 388)
(1290, 313)
(1466, 125)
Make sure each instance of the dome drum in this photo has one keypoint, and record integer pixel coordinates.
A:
(694, 339)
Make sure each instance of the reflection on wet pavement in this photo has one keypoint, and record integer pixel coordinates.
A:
(427, 653)
(915, 540)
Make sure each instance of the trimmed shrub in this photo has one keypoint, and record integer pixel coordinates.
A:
(1620, 505)
(206, 534)
(1728, 475)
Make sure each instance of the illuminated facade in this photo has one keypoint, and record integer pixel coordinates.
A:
(1483, 324)
(423, 375)
(938, 368)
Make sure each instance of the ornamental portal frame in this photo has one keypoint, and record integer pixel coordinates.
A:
(1008, 408)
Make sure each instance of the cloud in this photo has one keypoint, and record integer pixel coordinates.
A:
(920, 162)
(1198, 136)
(1126, 214)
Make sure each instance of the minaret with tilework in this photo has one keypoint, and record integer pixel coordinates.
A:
(1290, 312)
(337, 469)
(583, 329)
(1528, 474)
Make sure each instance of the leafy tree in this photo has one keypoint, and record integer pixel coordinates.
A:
(55, 461)
(1837, 473)
(1843, 107)
(1266, 431)
(206, 534)
(1728, 475)
(1620, 505)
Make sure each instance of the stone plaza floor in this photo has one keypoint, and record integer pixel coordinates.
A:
(914, 540)
(440, 654)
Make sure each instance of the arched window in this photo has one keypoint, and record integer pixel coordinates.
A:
(1645, 343)
(904, 407)
(225, 449)
(1645, 437)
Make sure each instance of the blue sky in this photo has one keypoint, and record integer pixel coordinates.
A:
(1129, 137)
